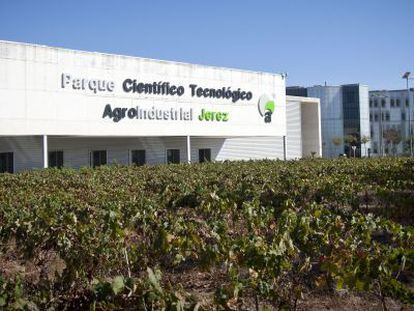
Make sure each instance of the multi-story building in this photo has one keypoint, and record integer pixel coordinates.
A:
(344, 118)
(390, 115)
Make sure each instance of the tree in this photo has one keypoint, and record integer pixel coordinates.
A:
(337, 141)
(364, 141)
(351, 140)
(406, 145)
(393, 137)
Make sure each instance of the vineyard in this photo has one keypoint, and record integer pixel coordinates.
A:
(258, 235)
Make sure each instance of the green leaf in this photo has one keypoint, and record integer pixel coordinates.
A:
(118, 284)
(3, 300)
(154, 281)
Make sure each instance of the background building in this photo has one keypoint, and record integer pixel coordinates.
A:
(390, 113)
(61, 107)
(344, 114)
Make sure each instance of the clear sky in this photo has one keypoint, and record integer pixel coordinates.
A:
(337, 41)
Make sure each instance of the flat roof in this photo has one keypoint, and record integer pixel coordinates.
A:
(302, 99)
(143, 58)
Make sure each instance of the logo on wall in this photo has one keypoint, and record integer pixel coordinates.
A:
(266, 107)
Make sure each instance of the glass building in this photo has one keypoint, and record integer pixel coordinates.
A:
(344, 118)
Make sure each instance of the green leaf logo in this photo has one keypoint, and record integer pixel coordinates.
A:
(266, 107)
(270, 105)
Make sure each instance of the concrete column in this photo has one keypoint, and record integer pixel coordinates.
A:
(188, 149)
(45, 152)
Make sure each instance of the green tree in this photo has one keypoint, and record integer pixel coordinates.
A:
(364, 141)
(336, 141)
(392, 137)
(351, 140)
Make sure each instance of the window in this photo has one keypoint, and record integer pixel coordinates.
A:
(6, 162)
(56, 159)
(397, 102)
(204, 155)
(375, 103)
(387, 116)
(403, 116)
(370, 102)
(375, 117)
(370, 116)
(98, 158)
(392, 103)
(407, 102)
(383, 102)
(138, 157)
(173, 156)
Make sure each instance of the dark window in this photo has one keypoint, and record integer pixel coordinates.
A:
(397, 102)
(403, 116)
(383, 102)
(392, 103)
(98, 158)
(406, 102)
(138, 157)
(375, 103)
(173, 156)
(387, 116)
(56, 159)
(375, 117)
(370, 116)
(204, 155)
(6, 162)
(370, 102)
(297, 91)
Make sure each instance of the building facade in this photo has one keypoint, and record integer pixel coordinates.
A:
(390, 114)
(61, 107)
(344, 115)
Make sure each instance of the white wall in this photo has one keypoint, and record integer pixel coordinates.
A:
(33, 100)
(77, 150)
(294, 130)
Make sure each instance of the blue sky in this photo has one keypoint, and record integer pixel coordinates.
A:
(337, 41)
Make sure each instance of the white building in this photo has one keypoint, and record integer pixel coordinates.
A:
(61, 107)
(391, 110)
(344, 113)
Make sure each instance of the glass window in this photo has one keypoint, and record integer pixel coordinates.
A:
(370, 102)
(370, 116)
(387, 116)
(173, 156)
(406, 102)
(98, 158)
(204, 155)
(6, 162)
(403, 116)
(56, 159)
(375, 103)
(383, 102)
(397, 102)
(376, 117)
(138, 157)
(392, 103)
